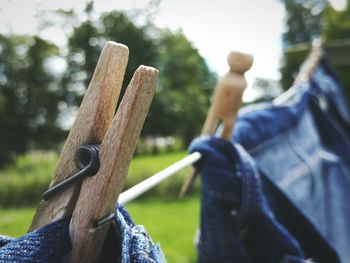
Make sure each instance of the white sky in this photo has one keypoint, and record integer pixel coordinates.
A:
(214, 27)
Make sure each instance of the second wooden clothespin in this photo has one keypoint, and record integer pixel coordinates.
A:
(311, 62)
(226, 102)
(307, 68)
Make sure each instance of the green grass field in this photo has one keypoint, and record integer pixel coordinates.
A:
(171, 222)
(23, 183)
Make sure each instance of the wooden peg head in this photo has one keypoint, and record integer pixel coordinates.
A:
(239, 62)
(228, 95)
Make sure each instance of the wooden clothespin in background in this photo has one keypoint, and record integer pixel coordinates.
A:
(226, 102)
(90, 199)
(311, 62)
(307, 68)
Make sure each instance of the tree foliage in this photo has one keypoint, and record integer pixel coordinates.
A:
(303, 21)
(336, 24)
(86, 43)
(336, 29)
(184, 89)
(302, 25)
(29, 95)
(306, 20)
(185, 81)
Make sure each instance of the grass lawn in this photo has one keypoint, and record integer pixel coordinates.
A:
(22, 183)
(15, 221)
(171, 222)
(142, 167)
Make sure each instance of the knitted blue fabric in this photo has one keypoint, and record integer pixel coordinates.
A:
(51, 243)
(46, 244)
(137, 247)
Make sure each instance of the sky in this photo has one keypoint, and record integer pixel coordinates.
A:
(215, 27)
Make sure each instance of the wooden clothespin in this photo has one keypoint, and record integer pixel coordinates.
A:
(306, 69)
(226, 102)
(311, 62)
(91, 199)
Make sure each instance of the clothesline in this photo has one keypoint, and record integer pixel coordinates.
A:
(150, 182)
(285, 220)
(154, 180)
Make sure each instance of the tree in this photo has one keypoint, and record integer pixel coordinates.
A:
(336, 29)
(185, 82)
(87, 40)
(303, 21)
(265, 89)
(29, 95)
(336, 24)
(184, 89)
(302, 25)
(332, 25)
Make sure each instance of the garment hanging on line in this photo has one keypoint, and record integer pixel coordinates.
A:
(237, 222)
(329, 84)
(303, 146)
(7, 240)
(51, 243)
(315, 57)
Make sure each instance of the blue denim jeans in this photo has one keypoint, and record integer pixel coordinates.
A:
(303, 146)
(237, 222)
(51, 243)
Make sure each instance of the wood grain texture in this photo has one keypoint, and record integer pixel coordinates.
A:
(307, 68)
(91, 124)
(227, 100)
(310, 64)
(98, 193)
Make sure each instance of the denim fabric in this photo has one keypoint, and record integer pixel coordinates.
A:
(136, 245)
(324, 79)
(47, 244)
(303, 146)
(237, 224)
(51, 243)
(313, 243)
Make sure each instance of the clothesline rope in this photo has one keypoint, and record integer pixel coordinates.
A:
(144, 186)
(154, 180)
(150, 182)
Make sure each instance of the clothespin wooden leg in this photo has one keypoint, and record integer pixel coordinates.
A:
(227, 100)
(94, 118)
(99, 193)
(210, 124)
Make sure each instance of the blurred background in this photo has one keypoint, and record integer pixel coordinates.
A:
(49, 49)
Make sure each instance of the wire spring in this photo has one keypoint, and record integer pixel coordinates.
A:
(86, 158)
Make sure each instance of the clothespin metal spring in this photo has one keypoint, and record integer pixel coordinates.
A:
(87, 160)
